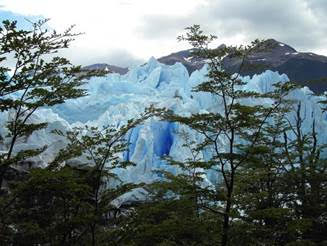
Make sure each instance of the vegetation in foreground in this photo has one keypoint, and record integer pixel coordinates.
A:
(273, 174)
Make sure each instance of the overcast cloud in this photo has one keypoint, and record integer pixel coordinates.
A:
(128, 32)
(300, 23)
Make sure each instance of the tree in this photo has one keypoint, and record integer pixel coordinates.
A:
(232, 133)
(39, 78)
(282, 192)
(264, 217)
(163, 221)
(172, 212)
(101, 152)
(50, 207)
(64, 204)
(305, 178)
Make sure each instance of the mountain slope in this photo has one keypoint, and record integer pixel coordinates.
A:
(307, 69)
(104, 66)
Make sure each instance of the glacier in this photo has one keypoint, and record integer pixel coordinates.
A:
(114, 99)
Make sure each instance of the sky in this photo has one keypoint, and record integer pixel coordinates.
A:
(129, 32)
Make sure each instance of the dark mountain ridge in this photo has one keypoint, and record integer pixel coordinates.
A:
(104, 66)
(304, 68)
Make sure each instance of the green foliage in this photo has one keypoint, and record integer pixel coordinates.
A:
(232, 134)
(50, 207)
(65, 204)
(38, 78)
(61, 204)
(281, 193)
(272, 173)
(167, 221)
(272, 189)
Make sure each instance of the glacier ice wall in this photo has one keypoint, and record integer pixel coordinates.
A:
(114, 99)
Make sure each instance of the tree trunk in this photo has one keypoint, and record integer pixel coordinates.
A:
(226, 225)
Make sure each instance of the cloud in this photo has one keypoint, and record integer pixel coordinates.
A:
(300, 23)
(118, 57)
(79, 54)
(291, 21)
(128, 31)
(162, 26)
